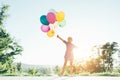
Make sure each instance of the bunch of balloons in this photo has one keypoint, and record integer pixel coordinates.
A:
(51, 21)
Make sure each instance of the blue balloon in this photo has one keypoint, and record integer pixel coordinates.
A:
(43, 20)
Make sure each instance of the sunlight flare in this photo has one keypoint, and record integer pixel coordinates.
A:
(82, 54)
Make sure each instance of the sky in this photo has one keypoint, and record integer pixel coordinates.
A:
(88, 22)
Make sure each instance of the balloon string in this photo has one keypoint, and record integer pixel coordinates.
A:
(53, 27)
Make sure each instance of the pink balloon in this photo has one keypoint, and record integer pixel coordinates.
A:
(45, 28)
(51, 17)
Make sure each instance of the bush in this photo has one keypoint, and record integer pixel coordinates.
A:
(57, 70)
(32, 71)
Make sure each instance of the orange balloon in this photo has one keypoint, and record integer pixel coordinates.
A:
(51, 33)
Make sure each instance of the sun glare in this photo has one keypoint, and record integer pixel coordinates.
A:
(82, 54)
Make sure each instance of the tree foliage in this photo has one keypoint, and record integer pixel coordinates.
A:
(108, 50)
(103, 60)
(19, 67)
(8, 45)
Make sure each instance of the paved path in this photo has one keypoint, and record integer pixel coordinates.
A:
(60, 78)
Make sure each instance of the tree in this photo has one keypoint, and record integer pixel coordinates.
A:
(3, 15)
(108, 50)
(105, 54)
(19, 67)
(8, 45)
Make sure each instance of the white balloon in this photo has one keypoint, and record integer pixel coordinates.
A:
(52, 10)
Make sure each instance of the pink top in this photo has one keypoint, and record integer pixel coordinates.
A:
(69, 51)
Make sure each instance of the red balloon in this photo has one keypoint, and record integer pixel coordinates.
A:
(51, 17)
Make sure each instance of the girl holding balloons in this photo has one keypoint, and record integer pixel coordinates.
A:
(48, 22)
(68, 54)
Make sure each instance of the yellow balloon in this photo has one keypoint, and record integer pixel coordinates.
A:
(51, 33)
(60, 16)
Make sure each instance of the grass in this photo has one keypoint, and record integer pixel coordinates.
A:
(84, 74)
(8, 74)
(80, 74)
(100, 74)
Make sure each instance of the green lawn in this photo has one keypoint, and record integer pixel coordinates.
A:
(80, 74)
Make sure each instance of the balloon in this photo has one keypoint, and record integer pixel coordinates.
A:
(51, 17)
(44, 20)
(51, 33)
(60, 16)
(51, 21)
(45, 28)
(52, 10)
(62, 24)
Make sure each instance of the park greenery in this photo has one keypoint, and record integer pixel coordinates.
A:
(101, 63)
(8, 45)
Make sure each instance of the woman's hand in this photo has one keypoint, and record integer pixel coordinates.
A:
(58, 36)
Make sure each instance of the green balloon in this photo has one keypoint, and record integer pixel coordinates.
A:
(62, 24)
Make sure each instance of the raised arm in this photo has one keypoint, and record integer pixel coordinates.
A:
(60, 38)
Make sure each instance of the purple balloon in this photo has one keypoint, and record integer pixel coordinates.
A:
(51, 17)
(45, 28)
